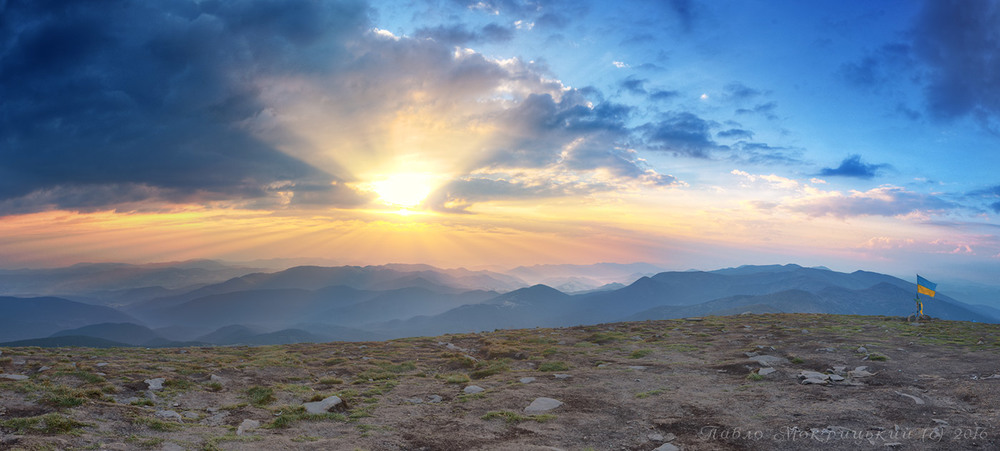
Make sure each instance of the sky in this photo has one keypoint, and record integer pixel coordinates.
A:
(853, 135)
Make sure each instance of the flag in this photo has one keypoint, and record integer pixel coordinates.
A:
(925, 286)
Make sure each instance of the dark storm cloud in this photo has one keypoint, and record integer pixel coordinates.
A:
(126, 100)
(852, 166)
(959, 43)
(682, 134)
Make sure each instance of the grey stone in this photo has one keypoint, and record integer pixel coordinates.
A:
(836, 378)
(839, 369)
(44, 368)
(766, 371)
(862, 350)
(247, 425)
(219, 379)
(751, 354)
(826, 350)
(171, 447)
(914, 398)
(542, 405)
(414, 400)
(667, 447)
(637, 367)
(816, 381)
(859, 373)
(216, 419)
(434, 399)
(155, 384)
(101, 364)
(526, 380)
(562, 376)
(813, 375)
(168, 415)
(20, 362)
(13, 377)
(190, 415)
(323, 406)
(473, 389)
(769, 360)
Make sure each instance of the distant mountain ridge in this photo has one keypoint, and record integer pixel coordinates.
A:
(310, 303)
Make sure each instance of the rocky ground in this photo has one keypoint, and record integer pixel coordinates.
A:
(750, 382)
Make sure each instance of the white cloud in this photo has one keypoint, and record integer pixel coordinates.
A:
(619, 64)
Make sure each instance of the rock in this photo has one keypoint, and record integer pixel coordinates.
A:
(859, 373)
(836, 378)
(43, 368)
(168, 415)
(813, 375)
(637, 367)
(247, 425)
(995, 376)
(562, 376)
(101, 364)
(667, 447)
(219, 379)
(862, 350)
(751, 354)
(323, 406)
(13, 377)
(115, 447)
(655, 437)
(20, 362)
(914, 398)
(473, 389)
(190, 415)
(769, 360)
(526, 380)
(766, 371)
(839, 369)
(669, 437)
(155, 384)
(816, 381)
(434, 399)
(826, 350)
(215, 420)
(413, 401)
(171, 447)
(540, 405)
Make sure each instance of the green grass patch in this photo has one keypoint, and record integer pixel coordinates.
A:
(143, 402)
(553, 366)
(144, 442)
(331, 381)
(514, 417)
(490, 367)
(604, 337)
(638, 354)
(48, 424)
(796, 360)
(878, 357)
(260, 396)
(456, 378)
(63, 397)
(647, 394)
(154, 424)
(754, 377)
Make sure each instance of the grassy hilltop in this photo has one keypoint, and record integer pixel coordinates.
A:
(733, 382)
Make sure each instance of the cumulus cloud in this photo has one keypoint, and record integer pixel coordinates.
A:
(682, 134)
(852, 166)
(276, 104)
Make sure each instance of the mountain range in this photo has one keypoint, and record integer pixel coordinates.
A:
(316, 304)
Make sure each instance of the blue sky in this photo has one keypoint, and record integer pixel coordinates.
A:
(463, 133)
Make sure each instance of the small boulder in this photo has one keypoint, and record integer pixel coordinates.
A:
(168, 415)
(862, 350)
(13, 377)
(667, 447)
(766, 371)
(816, 381)
(247, 425)
(155, 384)
(526, 380)
(473, 389)
(543, 404)
(434, 399)
(562, 376)
(324, 406)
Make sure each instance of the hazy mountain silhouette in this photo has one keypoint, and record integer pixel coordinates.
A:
(128, 333)
(22, 318)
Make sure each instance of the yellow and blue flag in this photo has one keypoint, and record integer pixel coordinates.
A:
(925, 286)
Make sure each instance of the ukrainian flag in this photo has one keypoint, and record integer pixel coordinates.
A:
(925, 286)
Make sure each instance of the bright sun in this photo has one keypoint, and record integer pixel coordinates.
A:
(405, 190)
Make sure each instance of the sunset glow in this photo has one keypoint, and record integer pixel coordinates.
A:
(503, 134)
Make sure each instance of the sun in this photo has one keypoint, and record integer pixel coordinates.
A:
(404, 190)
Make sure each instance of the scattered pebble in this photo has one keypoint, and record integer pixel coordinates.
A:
(526, 380)
(155, 384)
(473, 389)
(323, 406)
(168, 415)
(562, 376)
(247, 425)
(13, 377)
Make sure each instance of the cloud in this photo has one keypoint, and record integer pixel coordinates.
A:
(882, 201)
(852, 166)
(682, 134)
(766, 109)
(735, 133)
(761, 153)
(271, 104)
(740, 92)
(460, 35)
(959, 44)
(633, 85)
(990, 195)
(685, 13)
